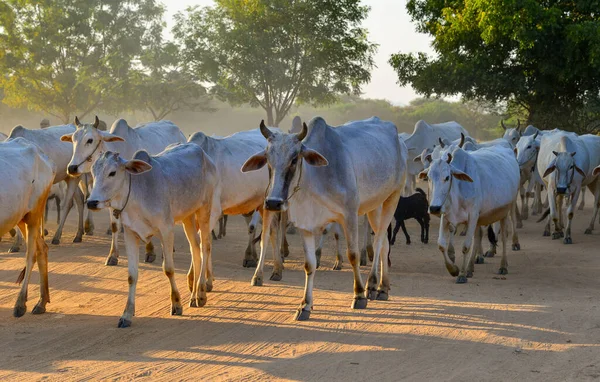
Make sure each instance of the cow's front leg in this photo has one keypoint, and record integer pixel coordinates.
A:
(443, 241)
(113, 255)
(504, 262)
(257, 280)
(466, 250)
(557, 218)
(167, 238)
(281, 246)
(132, 249)
(367, 250)
(570, 211)
(350, 226)
(250, 257)
(310, 267)
(71, 188)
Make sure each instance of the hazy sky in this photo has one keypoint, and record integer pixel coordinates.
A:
(388, 25)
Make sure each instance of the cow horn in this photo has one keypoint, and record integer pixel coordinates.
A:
(302, 134)
(441, 142)
(535, 135)
(96, 122)
(502, 123)
(449, 158)
(462, 140)
(77, 123)
(265, 130)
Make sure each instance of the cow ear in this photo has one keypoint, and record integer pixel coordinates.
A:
(461, 175)
(417, 159)
(596, 171)
(580, 171)
(313, 158)
(137, 167)
(67, 138)
(551, 167)
(106, 137)
(255, 162)
(516, 152)
(429, 158)
(423, 174)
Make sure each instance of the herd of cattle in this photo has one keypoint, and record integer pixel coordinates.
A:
(316, 177)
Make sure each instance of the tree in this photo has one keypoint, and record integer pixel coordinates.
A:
(543, 57)
(67, 56)
(273, 53)
(161, 85)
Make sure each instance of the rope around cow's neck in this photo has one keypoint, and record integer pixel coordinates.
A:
(295, 188)
(448, 193)
(117, 212)
(89, 158)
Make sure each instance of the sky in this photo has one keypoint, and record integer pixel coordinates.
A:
(389, 26)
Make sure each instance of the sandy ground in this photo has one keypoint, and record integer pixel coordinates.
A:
(541, 322)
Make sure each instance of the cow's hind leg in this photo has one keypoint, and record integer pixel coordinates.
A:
(504, 262)
(193, 277)
(167, 238)
(516, 246)
(250, 257)
(310, 267)
(72, 189)
(595, 189)
(570, 211)
(466, 250)
(21, 303)
(582, 204)
(16, 247)
(367, 250)
(350, 226)
(335, 227)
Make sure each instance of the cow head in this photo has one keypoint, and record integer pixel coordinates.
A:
(441, 174)
(512, 135)
(112, 175)
(526, 150)
(87, 146)
(562, 169)
(284, 155)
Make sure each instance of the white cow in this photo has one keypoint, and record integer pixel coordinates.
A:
(564, 162)
(527, 151)
(48, 140)
(512, 135)
(27, 175)
(336, 175)
(89, 143)
(475, 188)
(153, 193)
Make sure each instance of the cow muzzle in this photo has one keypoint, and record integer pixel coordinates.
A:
(435, 210)
(93, 205)
(561, 190)
(73, 170)
(274, 204)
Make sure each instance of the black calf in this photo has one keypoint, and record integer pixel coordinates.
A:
(412, 207)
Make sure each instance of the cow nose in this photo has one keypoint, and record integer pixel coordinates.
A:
(561, 190)
(273, 204)
(72, 169)
(435, 209)
(92, 204)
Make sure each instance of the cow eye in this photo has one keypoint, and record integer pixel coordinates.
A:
(529, 146)
(90, 141)
(294, 161)
(447, 179)
(112, 173)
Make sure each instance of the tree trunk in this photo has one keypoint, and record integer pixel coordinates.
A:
(270, 120)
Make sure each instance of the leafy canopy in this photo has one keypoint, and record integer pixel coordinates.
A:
(272, 53)
(544, 56)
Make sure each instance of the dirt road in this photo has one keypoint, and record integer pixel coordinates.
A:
(542, 322)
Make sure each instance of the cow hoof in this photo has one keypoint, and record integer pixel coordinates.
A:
(150, 257)
(461, 279)
(337, 266)
(363, 260)
(503, 271)
(463, 233)
(370, 252)
(452, 269)
(77, 239)
(489, 254)
(124, 323)
(56, 241)
(202, 300)
(276, 276)
(109, 232)
(193, 303)
(249, 263)
(209, 286)
(556, 236)
(546, 233)
(359, 303)
(519, 224)
(407, 242)
(479, 260)
(176, 310)
(111, 261)
(588, 231)
(382, 295)
(568, 240)
(371, 294)
(291, 230)
(38, 309)
(302, 315)
(256, 281)
(286, 252)
(425, 241)
(45, 232)
(19, 310)
(516, 247)
(469, 274)
(14, 248)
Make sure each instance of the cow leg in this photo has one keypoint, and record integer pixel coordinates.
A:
(570, 212)
(257, 279)
(557, 217)
(466, 250)
(89, 222)
(335, 227)
(368, 246)
(16, 247)
(46, 211)
(582, 204)
(250, 257)
(21, 304)
(516, 246)
(350, 226)
(596, 192)
(451, 250)
(280, 247)
(504, 262)
(443, 241)
(491, 252)
(71, 190)
(395, 232)
(524, 204)
(281, 235)
(538, 195)
(321, 237)
(193, 276)
(310, 267)
(58, 201)
(113, 255)
(519, 219)
(477, 251)
(372, 281)
(405, 232)
(133, 257)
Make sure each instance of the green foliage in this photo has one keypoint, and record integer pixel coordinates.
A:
(67, 56)
(542, 56)
(273, 53)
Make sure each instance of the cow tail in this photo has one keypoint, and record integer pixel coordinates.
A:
(492, 236)
(544, 215)
(21, 276)
(257, 239)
